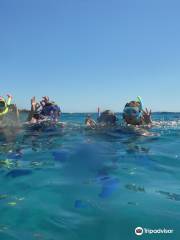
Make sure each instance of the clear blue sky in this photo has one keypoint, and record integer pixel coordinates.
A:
(89, 53)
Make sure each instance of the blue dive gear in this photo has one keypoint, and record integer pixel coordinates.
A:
(51, 110)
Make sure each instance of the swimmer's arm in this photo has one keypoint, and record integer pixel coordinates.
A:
(32, 111)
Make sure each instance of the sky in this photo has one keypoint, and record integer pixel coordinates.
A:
(90, 53)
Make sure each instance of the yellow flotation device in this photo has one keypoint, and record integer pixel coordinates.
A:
(6, 105)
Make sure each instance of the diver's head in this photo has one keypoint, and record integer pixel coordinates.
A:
(107, 117)
(2, 104)
(132, 113)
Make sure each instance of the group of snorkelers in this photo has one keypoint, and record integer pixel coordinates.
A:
(46, 110)
(133, 114)
(40, 111)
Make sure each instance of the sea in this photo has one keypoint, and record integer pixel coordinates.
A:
(73, 183)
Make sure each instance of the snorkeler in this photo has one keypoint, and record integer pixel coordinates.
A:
(134, 114)
(90, 122)
(4, 105)
(46, 110)
(107, 118)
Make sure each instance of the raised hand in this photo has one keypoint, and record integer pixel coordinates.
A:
(147, 116)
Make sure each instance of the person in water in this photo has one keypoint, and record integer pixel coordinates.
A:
(107, 118)
(43, 111)
(4, 105)
(89, 122)
(134, 114)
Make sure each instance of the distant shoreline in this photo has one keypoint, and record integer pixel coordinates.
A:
(156, 112)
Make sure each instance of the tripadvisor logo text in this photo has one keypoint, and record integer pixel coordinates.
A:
(140, 231)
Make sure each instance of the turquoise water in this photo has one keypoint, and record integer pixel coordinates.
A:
(73, 183)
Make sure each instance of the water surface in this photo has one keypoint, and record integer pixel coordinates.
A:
(71, 183)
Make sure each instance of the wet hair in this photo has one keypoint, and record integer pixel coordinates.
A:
(107, 117)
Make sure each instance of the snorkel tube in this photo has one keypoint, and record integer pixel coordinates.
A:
(139, 100)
